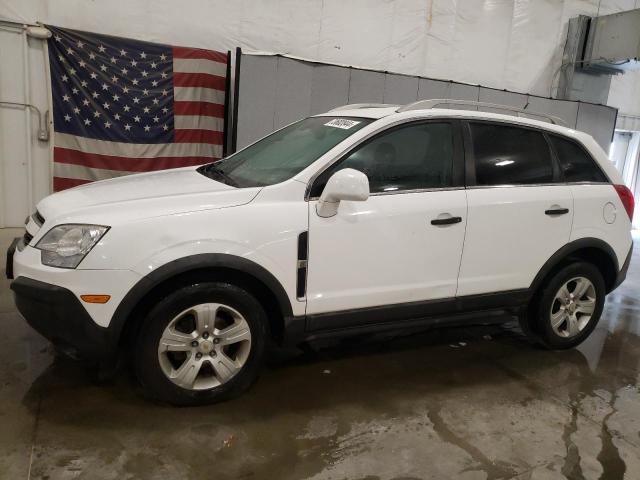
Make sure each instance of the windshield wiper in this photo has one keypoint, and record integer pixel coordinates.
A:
(213, 171)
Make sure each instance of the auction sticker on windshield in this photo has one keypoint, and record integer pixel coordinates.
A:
(341, 123)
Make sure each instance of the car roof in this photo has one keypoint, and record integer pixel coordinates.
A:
(363, 112)
(382, 111)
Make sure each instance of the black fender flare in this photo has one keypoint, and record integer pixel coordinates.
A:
(191, 263)
(567, 250)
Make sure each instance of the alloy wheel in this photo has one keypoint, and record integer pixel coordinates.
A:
(204, 346)
(572, 307)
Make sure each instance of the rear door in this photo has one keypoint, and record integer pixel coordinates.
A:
(519, 211)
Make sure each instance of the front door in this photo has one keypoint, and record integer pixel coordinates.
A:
(404, 243)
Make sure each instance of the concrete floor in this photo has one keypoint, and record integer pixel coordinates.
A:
(473, 403)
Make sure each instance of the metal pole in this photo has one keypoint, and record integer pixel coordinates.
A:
(27, 100)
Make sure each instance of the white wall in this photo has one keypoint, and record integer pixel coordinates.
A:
(24, 160)
(626, 156)
(625, 93)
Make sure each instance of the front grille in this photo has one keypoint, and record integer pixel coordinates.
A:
(27, 238)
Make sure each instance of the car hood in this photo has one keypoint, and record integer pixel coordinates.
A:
(152, 194)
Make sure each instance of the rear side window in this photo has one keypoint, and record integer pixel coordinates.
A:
(576, 164)
(506, 155)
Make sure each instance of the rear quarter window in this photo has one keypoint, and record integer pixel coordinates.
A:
(575, 163)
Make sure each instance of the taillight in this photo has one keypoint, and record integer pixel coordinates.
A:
(626, 197)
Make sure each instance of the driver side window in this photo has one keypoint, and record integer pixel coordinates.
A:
(411, 157)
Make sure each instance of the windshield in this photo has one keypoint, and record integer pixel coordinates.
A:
(284, 153)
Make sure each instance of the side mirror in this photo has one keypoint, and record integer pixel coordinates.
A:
(347, 184)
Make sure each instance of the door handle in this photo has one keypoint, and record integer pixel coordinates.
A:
(446, 221)
(556, 211)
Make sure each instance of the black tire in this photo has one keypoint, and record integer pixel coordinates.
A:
(538, 323)
(152, 379)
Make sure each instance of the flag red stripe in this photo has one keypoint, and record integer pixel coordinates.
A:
(203, 109)
(125, 164)
(60, 183)
(183, 52)
(206, 80)
(198, 136)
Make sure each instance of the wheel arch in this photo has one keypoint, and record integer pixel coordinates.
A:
(197, 268)
(592, 250)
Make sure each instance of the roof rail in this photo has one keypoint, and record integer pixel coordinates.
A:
(354, 106)
(433, 103)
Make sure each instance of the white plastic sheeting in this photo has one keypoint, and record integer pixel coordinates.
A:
(512, 44)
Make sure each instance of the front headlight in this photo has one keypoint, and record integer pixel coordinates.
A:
(65, 246)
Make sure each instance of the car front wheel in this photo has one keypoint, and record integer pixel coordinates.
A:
(202, 344)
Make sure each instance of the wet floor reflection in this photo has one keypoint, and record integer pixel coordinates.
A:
(475, 402)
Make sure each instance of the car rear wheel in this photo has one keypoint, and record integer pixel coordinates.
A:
(568, 307)
(202, 344)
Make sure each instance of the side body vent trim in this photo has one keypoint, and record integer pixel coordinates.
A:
(301, 267)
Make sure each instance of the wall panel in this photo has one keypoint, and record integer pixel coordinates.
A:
(329, 87)
(400, 89)
(257, 101)
(597, 121)
(502, 97)
(293, 91)
(461, 91)
(567, 111)
(280, 90)
(429, 88)
(366, 86)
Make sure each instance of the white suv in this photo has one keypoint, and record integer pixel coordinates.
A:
(362, 219)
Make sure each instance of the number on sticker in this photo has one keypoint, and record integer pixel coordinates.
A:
(341, 123)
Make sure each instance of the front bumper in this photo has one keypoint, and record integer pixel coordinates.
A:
(49, 299)
(57, 314)
(117, 283)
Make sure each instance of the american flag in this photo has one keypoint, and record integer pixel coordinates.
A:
(122, 106)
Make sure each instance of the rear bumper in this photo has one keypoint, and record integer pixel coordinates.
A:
(622, 274)
(57, 314)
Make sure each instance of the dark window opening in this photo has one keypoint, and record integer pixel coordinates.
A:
(506, 155)
(575, 163)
